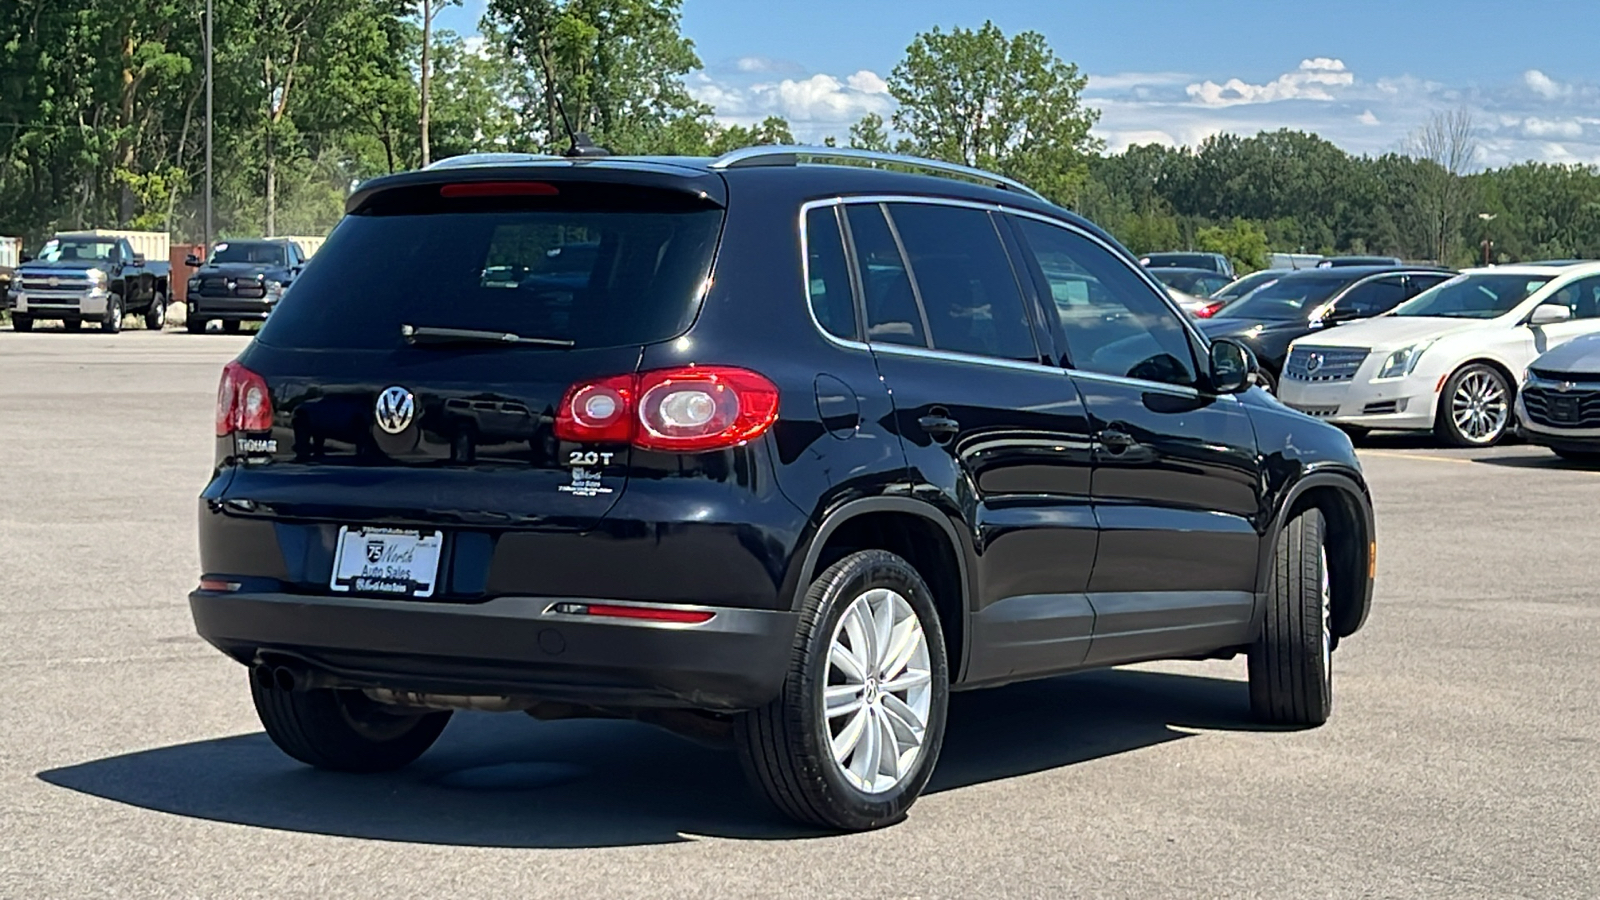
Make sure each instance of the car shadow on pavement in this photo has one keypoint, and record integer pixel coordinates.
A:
(511, 781)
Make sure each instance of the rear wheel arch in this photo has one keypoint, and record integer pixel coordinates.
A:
(916, 532)
(1348, 535)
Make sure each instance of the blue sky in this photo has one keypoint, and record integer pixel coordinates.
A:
(1361, 73)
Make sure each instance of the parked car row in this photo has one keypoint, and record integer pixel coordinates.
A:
(1470, 356)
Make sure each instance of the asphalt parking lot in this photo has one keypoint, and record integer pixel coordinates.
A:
(1463, 759)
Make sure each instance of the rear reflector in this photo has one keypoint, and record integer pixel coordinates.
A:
(643, 613)
(499, 189)
(217, 584)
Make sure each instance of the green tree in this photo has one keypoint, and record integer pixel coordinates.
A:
(870, 134)
(615, 66)
(1242, 241)
(1006, 105)
(771, 130)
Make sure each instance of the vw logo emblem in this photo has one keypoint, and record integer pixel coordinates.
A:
(1314, 363)
(395, 408)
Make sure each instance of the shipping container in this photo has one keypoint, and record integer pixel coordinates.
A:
(154, 246)
(309, 244)
(10, 254)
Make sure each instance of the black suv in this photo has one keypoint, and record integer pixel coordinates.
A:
(806, 448)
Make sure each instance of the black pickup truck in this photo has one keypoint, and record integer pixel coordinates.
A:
(241, 281)
(89, 277)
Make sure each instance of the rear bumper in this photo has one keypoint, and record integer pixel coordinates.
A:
(510, 646)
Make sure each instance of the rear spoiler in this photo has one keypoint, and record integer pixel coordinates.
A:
(691, 181)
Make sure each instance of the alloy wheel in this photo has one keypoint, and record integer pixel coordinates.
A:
(878, 691)
(1479, 408)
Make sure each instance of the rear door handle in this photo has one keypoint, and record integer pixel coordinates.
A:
(939, 426)
(1115, 440)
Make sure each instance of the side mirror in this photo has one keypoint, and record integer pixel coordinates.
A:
(192, 261)
(138, 259)
(1232, 364)
(26, 257)
(1550, 314)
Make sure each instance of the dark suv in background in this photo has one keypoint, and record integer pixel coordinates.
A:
(806, 447)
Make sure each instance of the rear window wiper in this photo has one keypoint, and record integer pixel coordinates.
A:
(430, 334)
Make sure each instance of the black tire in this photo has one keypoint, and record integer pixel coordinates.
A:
(23, 324)
(1445, 426)
(343, 730)
(112, 322)
(195, 326)
(1267, 381)
(1589, 457)
(786, 746)
(1291, 670)
(71, 324)
(155, 318)
(231, 326)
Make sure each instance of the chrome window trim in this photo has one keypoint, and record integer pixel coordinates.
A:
(908, 350)
(779, 154)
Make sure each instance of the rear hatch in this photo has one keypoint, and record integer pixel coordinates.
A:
(448, 428)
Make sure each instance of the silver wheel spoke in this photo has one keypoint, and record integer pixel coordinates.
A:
(847, 740)
(911, 679)
(865, 763)
(909, 725)
(907, 639)
(842, 699)
(842, 659)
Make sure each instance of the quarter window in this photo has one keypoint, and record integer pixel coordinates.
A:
(965, 280)
(893, 316)
(1114, 323)
(828, 274)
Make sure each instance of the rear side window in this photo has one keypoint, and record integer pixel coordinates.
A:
(598, 269)
(891, 305)
(828, 274)
(1373, 297)
(969, 290)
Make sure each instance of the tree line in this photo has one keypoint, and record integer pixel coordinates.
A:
(102, 121)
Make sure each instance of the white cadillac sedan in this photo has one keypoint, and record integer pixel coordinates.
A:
(1447, 360)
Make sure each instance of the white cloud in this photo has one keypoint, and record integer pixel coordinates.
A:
(1544, 85)
(1533, 126)
(1311, 81)
(815, 106)
(868, 82)
(1118, 141)
(754, 64)
(1367, 118)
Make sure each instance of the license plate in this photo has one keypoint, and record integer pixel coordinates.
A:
(391, 561)
(1564, 409)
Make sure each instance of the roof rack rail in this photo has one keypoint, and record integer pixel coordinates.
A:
(782, 155)
(467, 160)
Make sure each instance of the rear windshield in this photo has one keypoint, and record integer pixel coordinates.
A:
(606, 275)
(1286, 299)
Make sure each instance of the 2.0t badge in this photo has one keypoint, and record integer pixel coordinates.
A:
(396, 406)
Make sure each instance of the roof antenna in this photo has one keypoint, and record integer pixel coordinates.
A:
(582, 147)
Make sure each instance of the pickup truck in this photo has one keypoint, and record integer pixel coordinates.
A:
(78, 278)
(241, 281)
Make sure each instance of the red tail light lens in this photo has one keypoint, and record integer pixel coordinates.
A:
(243, 401)
(689, 410)
(598, 412)
(1210, 309)
(685, 410)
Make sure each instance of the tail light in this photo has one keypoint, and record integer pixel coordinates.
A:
(243, 402)
(687, 410)
(1210, 309)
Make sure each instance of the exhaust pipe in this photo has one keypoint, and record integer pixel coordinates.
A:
(284, 677)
